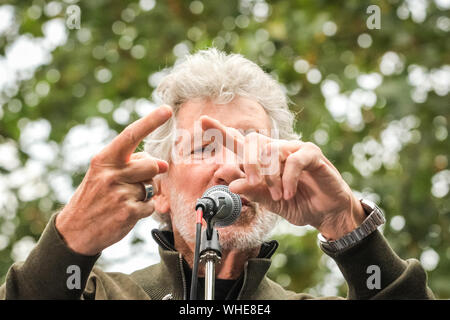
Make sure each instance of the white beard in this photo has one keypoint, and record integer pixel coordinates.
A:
(242, 235)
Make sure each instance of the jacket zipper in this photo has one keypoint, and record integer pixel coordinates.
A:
(243, 282)
(269, 254)
(245, 273)
(183, 277)
(163, 242)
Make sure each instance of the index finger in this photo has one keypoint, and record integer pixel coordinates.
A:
(231, 138)
(122, 146)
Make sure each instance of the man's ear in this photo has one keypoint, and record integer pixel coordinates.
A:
(161, 198)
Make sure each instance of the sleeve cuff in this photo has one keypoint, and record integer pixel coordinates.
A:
(50, 265)
(356, 264)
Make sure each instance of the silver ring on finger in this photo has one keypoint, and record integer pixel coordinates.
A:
(149, 192)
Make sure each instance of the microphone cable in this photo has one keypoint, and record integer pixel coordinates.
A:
(198, 235)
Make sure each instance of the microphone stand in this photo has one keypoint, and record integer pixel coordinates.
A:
(210, 254)
(217, 206)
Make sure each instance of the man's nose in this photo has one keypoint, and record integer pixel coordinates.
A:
(229, 169)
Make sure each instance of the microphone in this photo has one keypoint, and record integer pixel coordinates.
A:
(220, 206)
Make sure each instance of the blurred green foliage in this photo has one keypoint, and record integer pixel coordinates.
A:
(122, 44)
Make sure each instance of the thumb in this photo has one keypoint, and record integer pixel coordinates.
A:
(255, 193)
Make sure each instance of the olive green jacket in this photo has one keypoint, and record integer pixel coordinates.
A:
(46, 274)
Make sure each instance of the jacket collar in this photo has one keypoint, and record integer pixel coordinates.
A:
(172, 263)
(165, 241)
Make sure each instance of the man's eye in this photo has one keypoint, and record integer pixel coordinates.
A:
(200, 150)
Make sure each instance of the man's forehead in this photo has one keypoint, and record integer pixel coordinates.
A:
(241, 114)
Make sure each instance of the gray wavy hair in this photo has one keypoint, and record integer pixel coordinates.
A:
(220, 77)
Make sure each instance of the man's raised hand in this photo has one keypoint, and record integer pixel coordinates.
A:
(301, 185)
(108, 202)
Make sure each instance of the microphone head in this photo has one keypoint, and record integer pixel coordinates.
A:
(228, 203)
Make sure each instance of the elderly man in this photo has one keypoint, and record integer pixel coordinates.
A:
(235, 99)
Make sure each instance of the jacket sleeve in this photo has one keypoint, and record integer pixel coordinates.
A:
(373, 271)
(51, 271)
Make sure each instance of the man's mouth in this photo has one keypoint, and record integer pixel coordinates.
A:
(245, 201)
(247, 205)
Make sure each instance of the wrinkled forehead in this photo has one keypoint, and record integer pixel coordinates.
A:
(242, 114)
